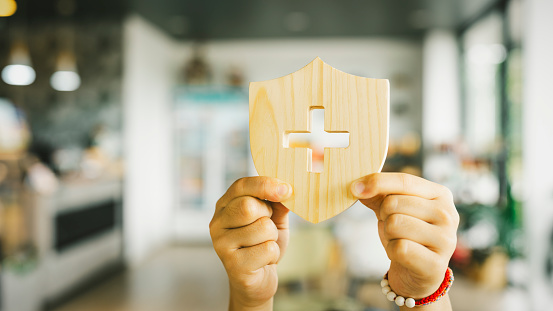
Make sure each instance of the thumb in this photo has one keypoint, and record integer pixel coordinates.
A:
(373, 202)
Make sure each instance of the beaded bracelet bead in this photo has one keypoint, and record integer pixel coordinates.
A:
(411, 302)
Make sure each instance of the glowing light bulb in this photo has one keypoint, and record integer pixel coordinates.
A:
(7, 8)
(18, 74)
(65, 81)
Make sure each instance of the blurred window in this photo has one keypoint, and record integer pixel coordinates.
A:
(491, 81)
(484, 52)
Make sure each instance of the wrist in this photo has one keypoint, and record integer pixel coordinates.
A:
(238, 305)
(443, 304)
(412, 301)
(417, 291)
(239, 302)
(412, 288)
(408, 285)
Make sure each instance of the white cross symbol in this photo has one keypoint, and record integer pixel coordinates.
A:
(317, 139)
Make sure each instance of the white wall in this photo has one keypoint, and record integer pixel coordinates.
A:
(538, 147)
(369, 57)
(148, 77)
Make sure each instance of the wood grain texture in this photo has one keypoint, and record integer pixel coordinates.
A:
(352, 104)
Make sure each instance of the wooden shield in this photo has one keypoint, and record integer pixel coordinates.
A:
(357, 105)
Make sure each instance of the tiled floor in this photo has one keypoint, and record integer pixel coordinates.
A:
(176, 279)
(193, 279)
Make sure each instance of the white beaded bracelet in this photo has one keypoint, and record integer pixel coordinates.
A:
(399, 300)
(410, 302)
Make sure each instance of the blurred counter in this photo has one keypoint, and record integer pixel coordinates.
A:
(78, 235)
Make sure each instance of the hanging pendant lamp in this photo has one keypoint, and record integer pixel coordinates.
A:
(66, 78)
(19, 71)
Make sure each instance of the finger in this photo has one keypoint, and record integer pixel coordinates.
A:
(427, 210)
(252, 258)
(396, 183)
(281, 220)
(264, 188)
(242, 211)
(418, 259)
(381, 234)
(280, 215)
(262, 230)
(399, 226)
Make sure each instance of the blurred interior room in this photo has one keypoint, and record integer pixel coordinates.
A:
(123, 122)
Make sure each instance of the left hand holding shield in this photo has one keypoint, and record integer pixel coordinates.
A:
(417, 225)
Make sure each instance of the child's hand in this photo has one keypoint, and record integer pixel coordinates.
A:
(250, 233)
(417, 224)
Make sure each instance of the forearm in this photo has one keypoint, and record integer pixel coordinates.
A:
(443, 304)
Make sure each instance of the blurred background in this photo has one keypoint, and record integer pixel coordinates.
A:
(123, 122)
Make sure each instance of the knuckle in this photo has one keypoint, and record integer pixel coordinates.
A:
(372, 181)
(449, 242)
(219, 203)
(264, 222)
(405, 181)
(238, 186)
(270, 226)
(239, 183)
(400, 248)
(267, 186)
(267, 224)
(223, 252)
(443, 215)
(273, 249)
(449, 216)
(246, 282)
(271, 246)
(446, 192)
(388, 207)
(212, 228)
(456, 218)
(246, 207)
(393, 224)
(452, 242)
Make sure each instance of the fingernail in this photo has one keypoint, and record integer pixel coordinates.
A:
(283, 190)
(358, 188)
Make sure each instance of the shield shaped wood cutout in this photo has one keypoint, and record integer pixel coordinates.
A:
(352, 104)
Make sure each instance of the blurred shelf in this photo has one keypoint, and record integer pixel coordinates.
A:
(78, 194)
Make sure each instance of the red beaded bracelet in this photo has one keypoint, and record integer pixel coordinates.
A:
(410, 302)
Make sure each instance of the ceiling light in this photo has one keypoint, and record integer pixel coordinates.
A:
(66, 78)
(65, 81)
(19, 71)
(18, 74)
(7, 8)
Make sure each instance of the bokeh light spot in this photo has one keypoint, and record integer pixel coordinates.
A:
(7, 8)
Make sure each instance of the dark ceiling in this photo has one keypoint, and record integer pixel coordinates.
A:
(222, 19)
(229, 19)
